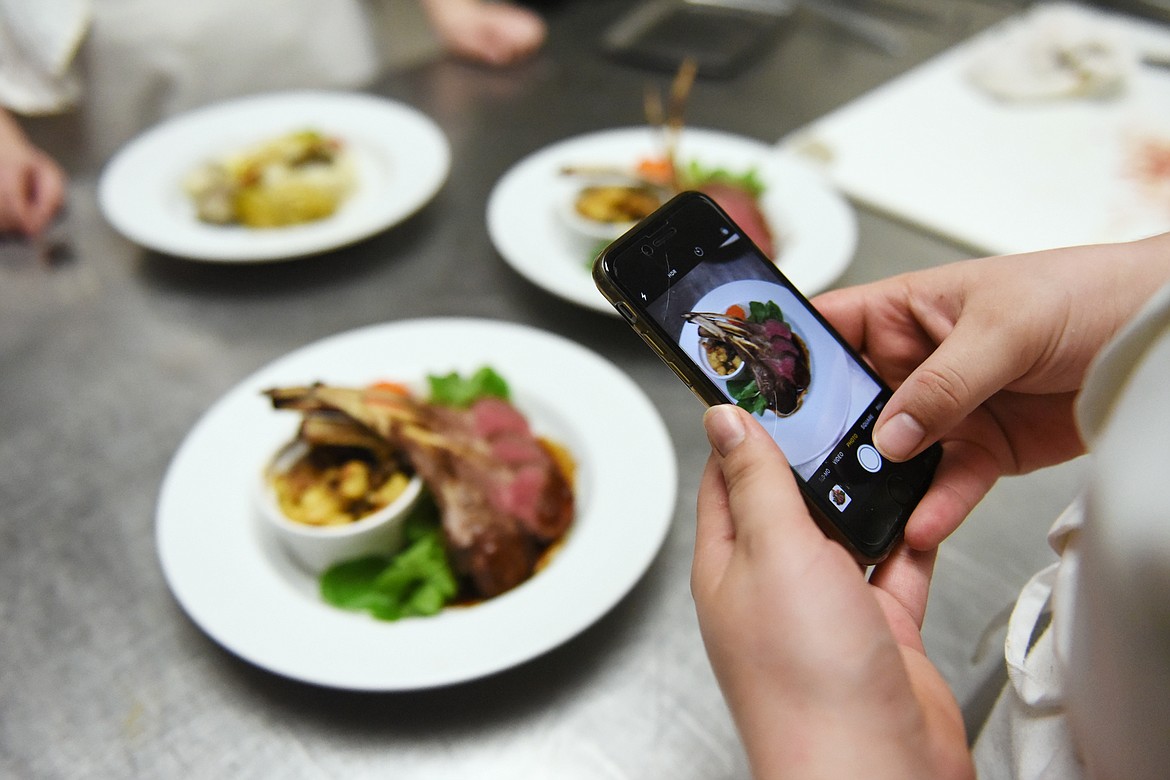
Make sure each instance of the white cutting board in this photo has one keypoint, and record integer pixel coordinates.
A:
(932, 149)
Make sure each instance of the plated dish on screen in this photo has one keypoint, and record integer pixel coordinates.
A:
(532, 219)
(518, 492)
(814, 408)
(274, 176)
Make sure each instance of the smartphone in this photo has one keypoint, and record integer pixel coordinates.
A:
(736, 330)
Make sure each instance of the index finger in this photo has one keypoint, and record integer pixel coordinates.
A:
(905, 576)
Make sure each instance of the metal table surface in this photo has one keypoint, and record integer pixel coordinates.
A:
(108, 359)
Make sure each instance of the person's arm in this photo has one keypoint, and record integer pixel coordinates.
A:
(824, 673)
(32, 185)
(494, 33)
(987, 356)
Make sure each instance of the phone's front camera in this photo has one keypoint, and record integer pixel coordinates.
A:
(647, 250)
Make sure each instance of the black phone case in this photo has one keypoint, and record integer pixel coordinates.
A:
(905, 483)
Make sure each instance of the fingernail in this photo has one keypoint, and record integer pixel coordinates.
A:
(724, 428)
(899, 436)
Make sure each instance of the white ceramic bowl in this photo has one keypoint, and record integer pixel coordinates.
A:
(318, 547)
(705, 362)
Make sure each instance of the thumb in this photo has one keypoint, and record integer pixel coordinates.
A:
(966, 369)
(766, 510)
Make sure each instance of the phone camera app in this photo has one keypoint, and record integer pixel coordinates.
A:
(764, 350)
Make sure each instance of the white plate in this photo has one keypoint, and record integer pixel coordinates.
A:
(816, 229)
(815, 428)
(240, 587)
(402, 159)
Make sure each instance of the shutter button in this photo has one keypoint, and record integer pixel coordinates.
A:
(869, 458)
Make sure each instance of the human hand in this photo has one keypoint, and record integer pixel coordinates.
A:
(988, 356)
(32, 185)
(494, 33)
(824, 673)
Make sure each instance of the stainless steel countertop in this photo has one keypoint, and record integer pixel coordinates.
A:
(108, 359)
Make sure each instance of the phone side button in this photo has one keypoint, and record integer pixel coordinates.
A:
(626, 311)
(657, 349)
(679, 374)
(697, 394)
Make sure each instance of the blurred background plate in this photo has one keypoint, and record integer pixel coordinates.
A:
(814, 226)
(402, 159)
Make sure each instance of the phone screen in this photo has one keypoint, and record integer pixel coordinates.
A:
(738, 331)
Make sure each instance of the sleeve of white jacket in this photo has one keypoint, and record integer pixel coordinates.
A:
(39, 40)
(1119, 662)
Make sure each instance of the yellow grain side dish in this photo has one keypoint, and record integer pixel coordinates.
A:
(721, 358)
(292, 179)
(322, 494)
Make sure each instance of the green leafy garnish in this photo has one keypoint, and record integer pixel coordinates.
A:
(695, 175)
(418, 580)
(759, 312)
(747, 395)
(454, 390)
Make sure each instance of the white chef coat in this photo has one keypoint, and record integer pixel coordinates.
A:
(1089, 696)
